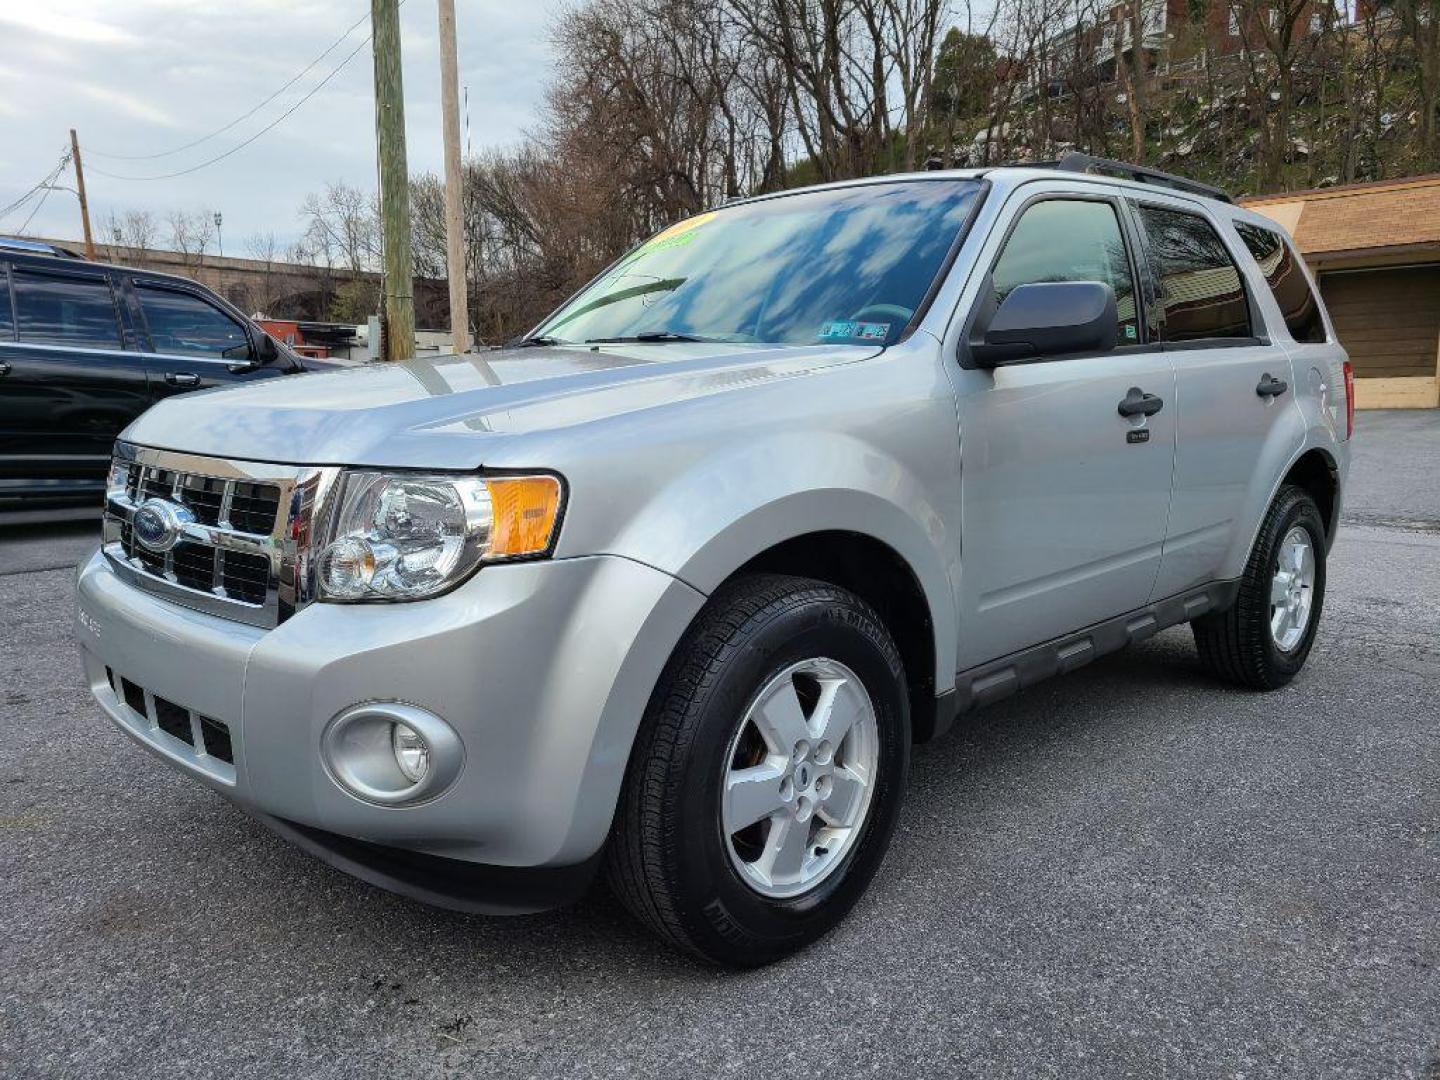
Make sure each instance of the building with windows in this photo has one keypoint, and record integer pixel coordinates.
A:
(1375, 249)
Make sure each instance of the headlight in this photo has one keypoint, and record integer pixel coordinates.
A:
(404, 537)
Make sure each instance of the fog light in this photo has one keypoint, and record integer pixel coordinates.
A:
(411, 753)
(390, 753)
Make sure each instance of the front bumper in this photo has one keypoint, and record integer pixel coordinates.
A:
(544, 670)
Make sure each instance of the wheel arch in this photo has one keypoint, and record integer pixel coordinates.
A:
(1318, 474)
(879, 575)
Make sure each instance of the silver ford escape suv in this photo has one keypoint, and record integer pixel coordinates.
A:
(667, 590)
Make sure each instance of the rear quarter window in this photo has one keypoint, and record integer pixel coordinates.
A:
(1286, 278)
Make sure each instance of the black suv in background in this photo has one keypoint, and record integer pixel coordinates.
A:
(87, 347)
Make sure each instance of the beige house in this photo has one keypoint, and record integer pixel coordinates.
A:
(1376, 251)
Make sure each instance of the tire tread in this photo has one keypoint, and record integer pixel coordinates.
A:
(636, 863)
(1232, 644)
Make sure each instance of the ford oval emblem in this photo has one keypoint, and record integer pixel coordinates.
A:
(159, 523)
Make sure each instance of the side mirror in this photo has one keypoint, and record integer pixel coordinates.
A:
(1049, 318)
(266, 351)
(261, 350)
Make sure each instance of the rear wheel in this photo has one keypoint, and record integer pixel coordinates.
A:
(1263, 639)
(766, 779)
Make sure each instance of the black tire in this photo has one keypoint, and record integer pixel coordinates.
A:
(1236, 645)
(667, 858)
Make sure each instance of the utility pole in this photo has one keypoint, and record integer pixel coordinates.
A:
(399, 334)
(454, 179)
(80, 191)
(219, 236)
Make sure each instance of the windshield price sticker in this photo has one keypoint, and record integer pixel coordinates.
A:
(842, 329)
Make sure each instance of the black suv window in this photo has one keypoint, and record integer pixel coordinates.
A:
(1202, 297)
(1286, 279)
(62, 309)
(1070, 240)
(185, 325)
(7, 316)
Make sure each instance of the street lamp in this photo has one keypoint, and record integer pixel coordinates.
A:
(219, 236)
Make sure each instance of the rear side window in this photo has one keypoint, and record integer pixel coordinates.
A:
(58, 309)
(1070, 240)
(185, 325)
(1201, 295)
(1286, 279)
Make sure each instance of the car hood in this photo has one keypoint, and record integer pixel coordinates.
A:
(447, 412)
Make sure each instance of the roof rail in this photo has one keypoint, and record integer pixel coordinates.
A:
(1084, 163)
(34, 247)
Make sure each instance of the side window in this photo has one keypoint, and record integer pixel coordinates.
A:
(1070, 240)
(1201, 295)
(1286, 279)
(185, 325)
(7, 315)
(57, 309)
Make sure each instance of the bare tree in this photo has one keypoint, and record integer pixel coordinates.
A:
(133, 232)
(190, 235)
(1419, 22)
(264, 249)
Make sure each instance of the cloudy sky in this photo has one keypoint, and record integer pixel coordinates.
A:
(141, 77)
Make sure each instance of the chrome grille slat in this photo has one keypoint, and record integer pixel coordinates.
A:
(245, 556)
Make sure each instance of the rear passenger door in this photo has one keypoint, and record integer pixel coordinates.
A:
(69, 384)
(1063, 499)
(1232, 387)
(195, 343)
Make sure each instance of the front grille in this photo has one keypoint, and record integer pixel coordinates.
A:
(175, 720)
(245, 577)
(240, 531)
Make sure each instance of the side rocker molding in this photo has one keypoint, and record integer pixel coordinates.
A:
(1000, 678)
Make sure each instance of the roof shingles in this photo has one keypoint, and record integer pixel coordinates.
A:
(1399, 214)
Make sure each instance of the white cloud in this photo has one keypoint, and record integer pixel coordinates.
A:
(139, 77)
(54, 21)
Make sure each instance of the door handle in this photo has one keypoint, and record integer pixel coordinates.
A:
(1139, 403)
(4, 367)
(1271, 387)
(182, 378)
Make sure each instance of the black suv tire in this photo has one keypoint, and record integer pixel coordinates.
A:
(1237, 645)
(668, 859)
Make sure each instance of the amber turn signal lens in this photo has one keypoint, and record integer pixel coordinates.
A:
(524, 509)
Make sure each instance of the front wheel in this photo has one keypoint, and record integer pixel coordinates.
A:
(768, 773)
(1263, 639)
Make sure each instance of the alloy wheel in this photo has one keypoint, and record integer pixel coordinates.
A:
(799, 776)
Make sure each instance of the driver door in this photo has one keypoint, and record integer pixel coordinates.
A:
(1063, 499)
(194, 343)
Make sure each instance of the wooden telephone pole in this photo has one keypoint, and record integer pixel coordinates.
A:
(454, 181)
(399, 335)
(80, 191)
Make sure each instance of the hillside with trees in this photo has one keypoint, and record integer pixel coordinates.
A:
(658, 109)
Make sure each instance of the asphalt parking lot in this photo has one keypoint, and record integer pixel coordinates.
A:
(1132, 872)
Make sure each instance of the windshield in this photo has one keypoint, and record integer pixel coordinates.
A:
(847, 265)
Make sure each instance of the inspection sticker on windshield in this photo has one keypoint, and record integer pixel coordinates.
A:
(841, 329)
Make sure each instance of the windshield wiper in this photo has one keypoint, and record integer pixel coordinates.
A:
(535, 342)
(647, 336)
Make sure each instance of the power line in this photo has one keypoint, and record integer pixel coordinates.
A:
(45, 183)
(36, 210)
(243, 117)
(241, 146)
